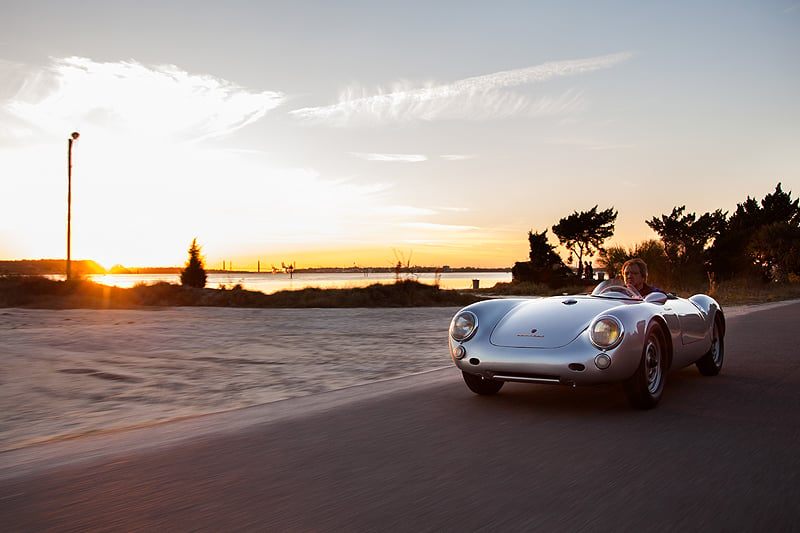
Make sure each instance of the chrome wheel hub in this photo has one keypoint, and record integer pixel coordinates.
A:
(716, 353)
(653, 366)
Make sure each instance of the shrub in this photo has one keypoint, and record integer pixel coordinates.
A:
(194, 275)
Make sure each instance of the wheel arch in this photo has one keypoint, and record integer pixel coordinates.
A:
(710, 307)
(719, 315)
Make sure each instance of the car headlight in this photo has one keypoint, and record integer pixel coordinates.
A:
(463, 326)
(606, 332)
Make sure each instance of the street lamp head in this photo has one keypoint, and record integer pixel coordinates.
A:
(75, 135)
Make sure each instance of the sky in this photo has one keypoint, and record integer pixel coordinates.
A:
(366, 132)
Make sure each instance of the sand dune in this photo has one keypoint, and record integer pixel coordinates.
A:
(78, 372)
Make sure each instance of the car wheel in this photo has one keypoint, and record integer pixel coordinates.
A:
(711, 363)
(644, 388)
(481, 385)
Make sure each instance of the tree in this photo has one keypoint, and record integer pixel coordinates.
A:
(779, 207)
(685, 237)
(543, 255)
(583, 233)
(194, 275)
(650, 251)
(776, 250)
(744, 247)
(545, 265)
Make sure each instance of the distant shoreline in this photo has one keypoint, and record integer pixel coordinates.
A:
(50, 267)
(314, 270)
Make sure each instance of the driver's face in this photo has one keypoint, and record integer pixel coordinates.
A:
(633, 277)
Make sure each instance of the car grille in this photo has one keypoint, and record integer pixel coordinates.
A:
(527, 378)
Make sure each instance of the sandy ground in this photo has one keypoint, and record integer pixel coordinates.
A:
(77, 372)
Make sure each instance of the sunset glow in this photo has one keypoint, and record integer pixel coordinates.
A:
(322, 133)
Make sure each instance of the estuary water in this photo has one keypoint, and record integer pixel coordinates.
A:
(270, 283)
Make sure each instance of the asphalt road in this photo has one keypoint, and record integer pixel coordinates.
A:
(424, 454)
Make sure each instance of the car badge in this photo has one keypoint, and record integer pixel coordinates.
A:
(531, 334)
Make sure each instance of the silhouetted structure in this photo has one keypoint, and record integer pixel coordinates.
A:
(73, 137)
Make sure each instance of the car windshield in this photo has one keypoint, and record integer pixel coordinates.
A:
(615, 288)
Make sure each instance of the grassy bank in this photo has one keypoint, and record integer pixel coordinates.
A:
(43, 293)
(730, 293)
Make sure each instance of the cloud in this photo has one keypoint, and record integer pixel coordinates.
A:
(406, 158)
(455, 209)
(129, 98)
(429, 226)
(406, 210)
(457, 157)
(479, 97)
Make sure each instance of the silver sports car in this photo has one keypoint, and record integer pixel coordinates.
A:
(610, 335)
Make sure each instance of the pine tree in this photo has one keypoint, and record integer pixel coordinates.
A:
(583, 233)
(194, 275)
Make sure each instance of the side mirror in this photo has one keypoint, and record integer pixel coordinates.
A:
(658, 298)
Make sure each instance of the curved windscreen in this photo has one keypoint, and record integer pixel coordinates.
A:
(615, 288)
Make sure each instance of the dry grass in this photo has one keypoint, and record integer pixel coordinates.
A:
(527, 288)
(730, 293)
(43, 293)
(744, 292)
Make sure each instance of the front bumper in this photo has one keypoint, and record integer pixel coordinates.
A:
(573, 364)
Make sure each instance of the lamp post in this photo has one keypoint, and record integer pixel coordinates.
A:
(73, 137)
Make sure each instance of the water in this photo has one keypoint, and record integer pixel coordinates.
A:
(269, 283)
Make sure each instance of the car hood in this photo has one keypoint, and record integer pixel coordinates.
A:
(549, 322)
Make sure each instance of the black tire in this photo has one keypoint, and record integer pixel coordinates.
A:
(481, 385)
(711, 363)
(644, 388)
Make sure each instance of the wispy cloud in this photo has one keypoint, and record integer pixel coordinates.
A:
(404, 158)
(479, 97)
(406, 210)
(407, 158)
(129, 97)
(457, 157)
(455, 209)
(429, 226)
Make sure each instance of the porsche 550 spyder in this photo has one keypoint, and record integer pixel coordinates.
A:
(611, 335)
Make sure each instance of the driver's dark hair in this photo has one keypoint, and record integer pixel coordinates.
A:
(639, 263)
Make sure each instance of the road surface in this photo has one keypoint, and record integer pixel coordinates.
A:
(424, 454)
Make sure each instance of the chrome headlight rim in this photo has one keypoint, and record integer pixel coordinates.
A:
(600, 342)
(459, 333)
